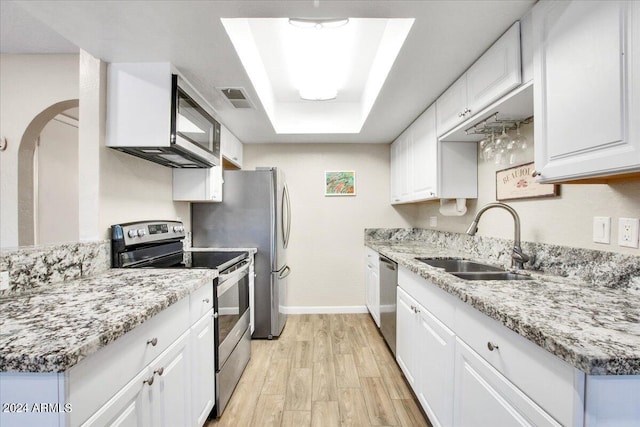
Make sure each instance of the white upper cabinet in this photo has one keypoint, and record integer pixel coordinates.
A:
(198, 185)
(231, 147)
(424, 169)
(452, 105)
(587, 89)
(493, 75)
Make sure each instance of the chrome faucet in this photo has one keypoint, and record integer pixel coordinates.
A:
(518, 258)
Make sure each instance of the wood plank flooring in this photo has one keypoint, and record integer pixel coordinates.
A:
(325, 370)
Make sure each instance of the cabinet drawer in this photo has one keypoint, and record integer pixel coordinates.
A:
(551, 383)
(94, 380)
(372, 258)
(438, 302)
(200, 301)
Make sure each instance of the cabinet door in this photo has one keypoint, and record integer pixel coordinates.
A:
(436, 356)
(586, 94)
(406, 336)
(203, 372)
(424, 156)
(375, 294)
(451, 106)
(496, 72)
(171, 392)
(401, 167)
(483, 397)
(231, 147)
(198, 185)
(130, 407)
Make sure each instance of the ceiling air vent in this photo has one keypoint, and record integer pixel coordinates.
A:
(237, 97)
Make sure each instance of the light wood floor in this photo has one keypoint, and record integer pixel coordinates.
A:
(324, 370)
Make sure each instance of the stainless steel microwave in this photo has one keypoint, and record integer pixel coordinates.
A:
(153, 113)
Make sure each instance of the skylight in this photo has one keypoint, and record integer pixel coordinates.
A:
(317, 75)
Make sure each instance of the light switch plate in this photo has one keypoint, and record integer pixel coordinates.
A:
(602, 229)
(628, 232)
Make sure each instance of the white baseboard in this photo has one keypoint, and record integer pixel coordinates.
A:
(340, 309)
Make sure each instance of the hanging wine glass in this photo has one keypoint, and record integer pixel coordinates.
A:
(489, 148)
(501, 147)
(483, 145)
(512, 148)
(520, 140)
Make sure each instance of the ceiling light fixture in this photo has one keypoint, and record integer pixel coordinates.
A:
(318, 24)
(317, 56)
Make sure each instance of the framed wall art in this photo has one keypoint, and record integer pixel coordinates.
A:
(517, 183)
(339, 183)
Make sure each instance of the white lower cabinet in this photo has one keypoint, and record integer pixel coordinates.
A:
(484, 397)
(158, 395)
(425, 352)
(442, 347)
(372, 284)
(203, 373)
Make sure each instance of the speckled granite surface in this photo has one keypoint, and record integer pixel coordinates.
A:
(601, 268)
(593, 327)
(32, 267)
(52, 328)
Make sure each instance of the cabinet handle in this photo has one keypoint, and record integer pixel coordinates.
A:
(159, 371)
(491, 346)
(416, 310)
(215, 315)
(461, 114)
(235, 158)
(152, 341)
(206, 300)
(467, 111)
(536, 173)
(148, 381)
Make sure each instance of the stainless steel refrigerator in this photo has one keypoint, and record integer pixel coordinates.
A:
(255, 212)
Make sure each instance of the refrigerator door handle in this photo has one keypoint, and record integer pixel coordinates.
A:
(284, 272)
(286, 231)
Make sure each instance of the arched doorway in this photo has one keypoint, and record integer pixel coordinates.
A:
(26, 201)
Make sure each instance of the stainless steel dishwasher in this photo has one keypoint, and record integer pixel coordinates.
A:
(388, 283)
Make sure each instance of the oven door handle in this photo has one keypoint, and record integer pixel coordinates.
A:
(236, 273)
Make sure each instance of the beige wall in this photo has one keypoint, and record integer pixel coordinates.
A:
(57, 185)
(565, 220)
(326, 251)
(113, 187)
(29, 84)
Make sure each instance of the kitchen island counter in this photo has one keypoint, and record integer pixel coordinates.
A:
(52, 329)
(594, 328)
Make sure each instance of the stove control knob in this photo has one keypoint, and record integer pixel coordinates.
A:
(133, 233)
(177, 228)
(142, 232)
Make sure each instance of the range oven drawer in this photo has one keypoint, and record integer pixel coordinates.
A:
(229, 374)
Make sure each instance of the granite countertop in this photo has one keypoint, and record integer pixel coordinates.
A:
(593, 328)
(53, 328)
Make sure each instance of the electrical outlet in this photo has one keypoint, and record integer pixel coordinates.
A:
(433, 221)
(4, 280)
(628, 232)
(602, 229)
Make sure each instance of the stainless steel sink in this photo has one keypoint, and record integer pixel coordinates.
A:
(458, 265)
(492, 275)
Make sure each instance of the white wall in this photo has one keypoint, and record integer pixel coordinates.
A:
(326, 251)
(565, 220)
(57, 211)
(29, 84)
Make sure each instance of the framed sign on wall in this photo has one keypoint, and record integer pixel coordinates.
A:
(517, 183)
